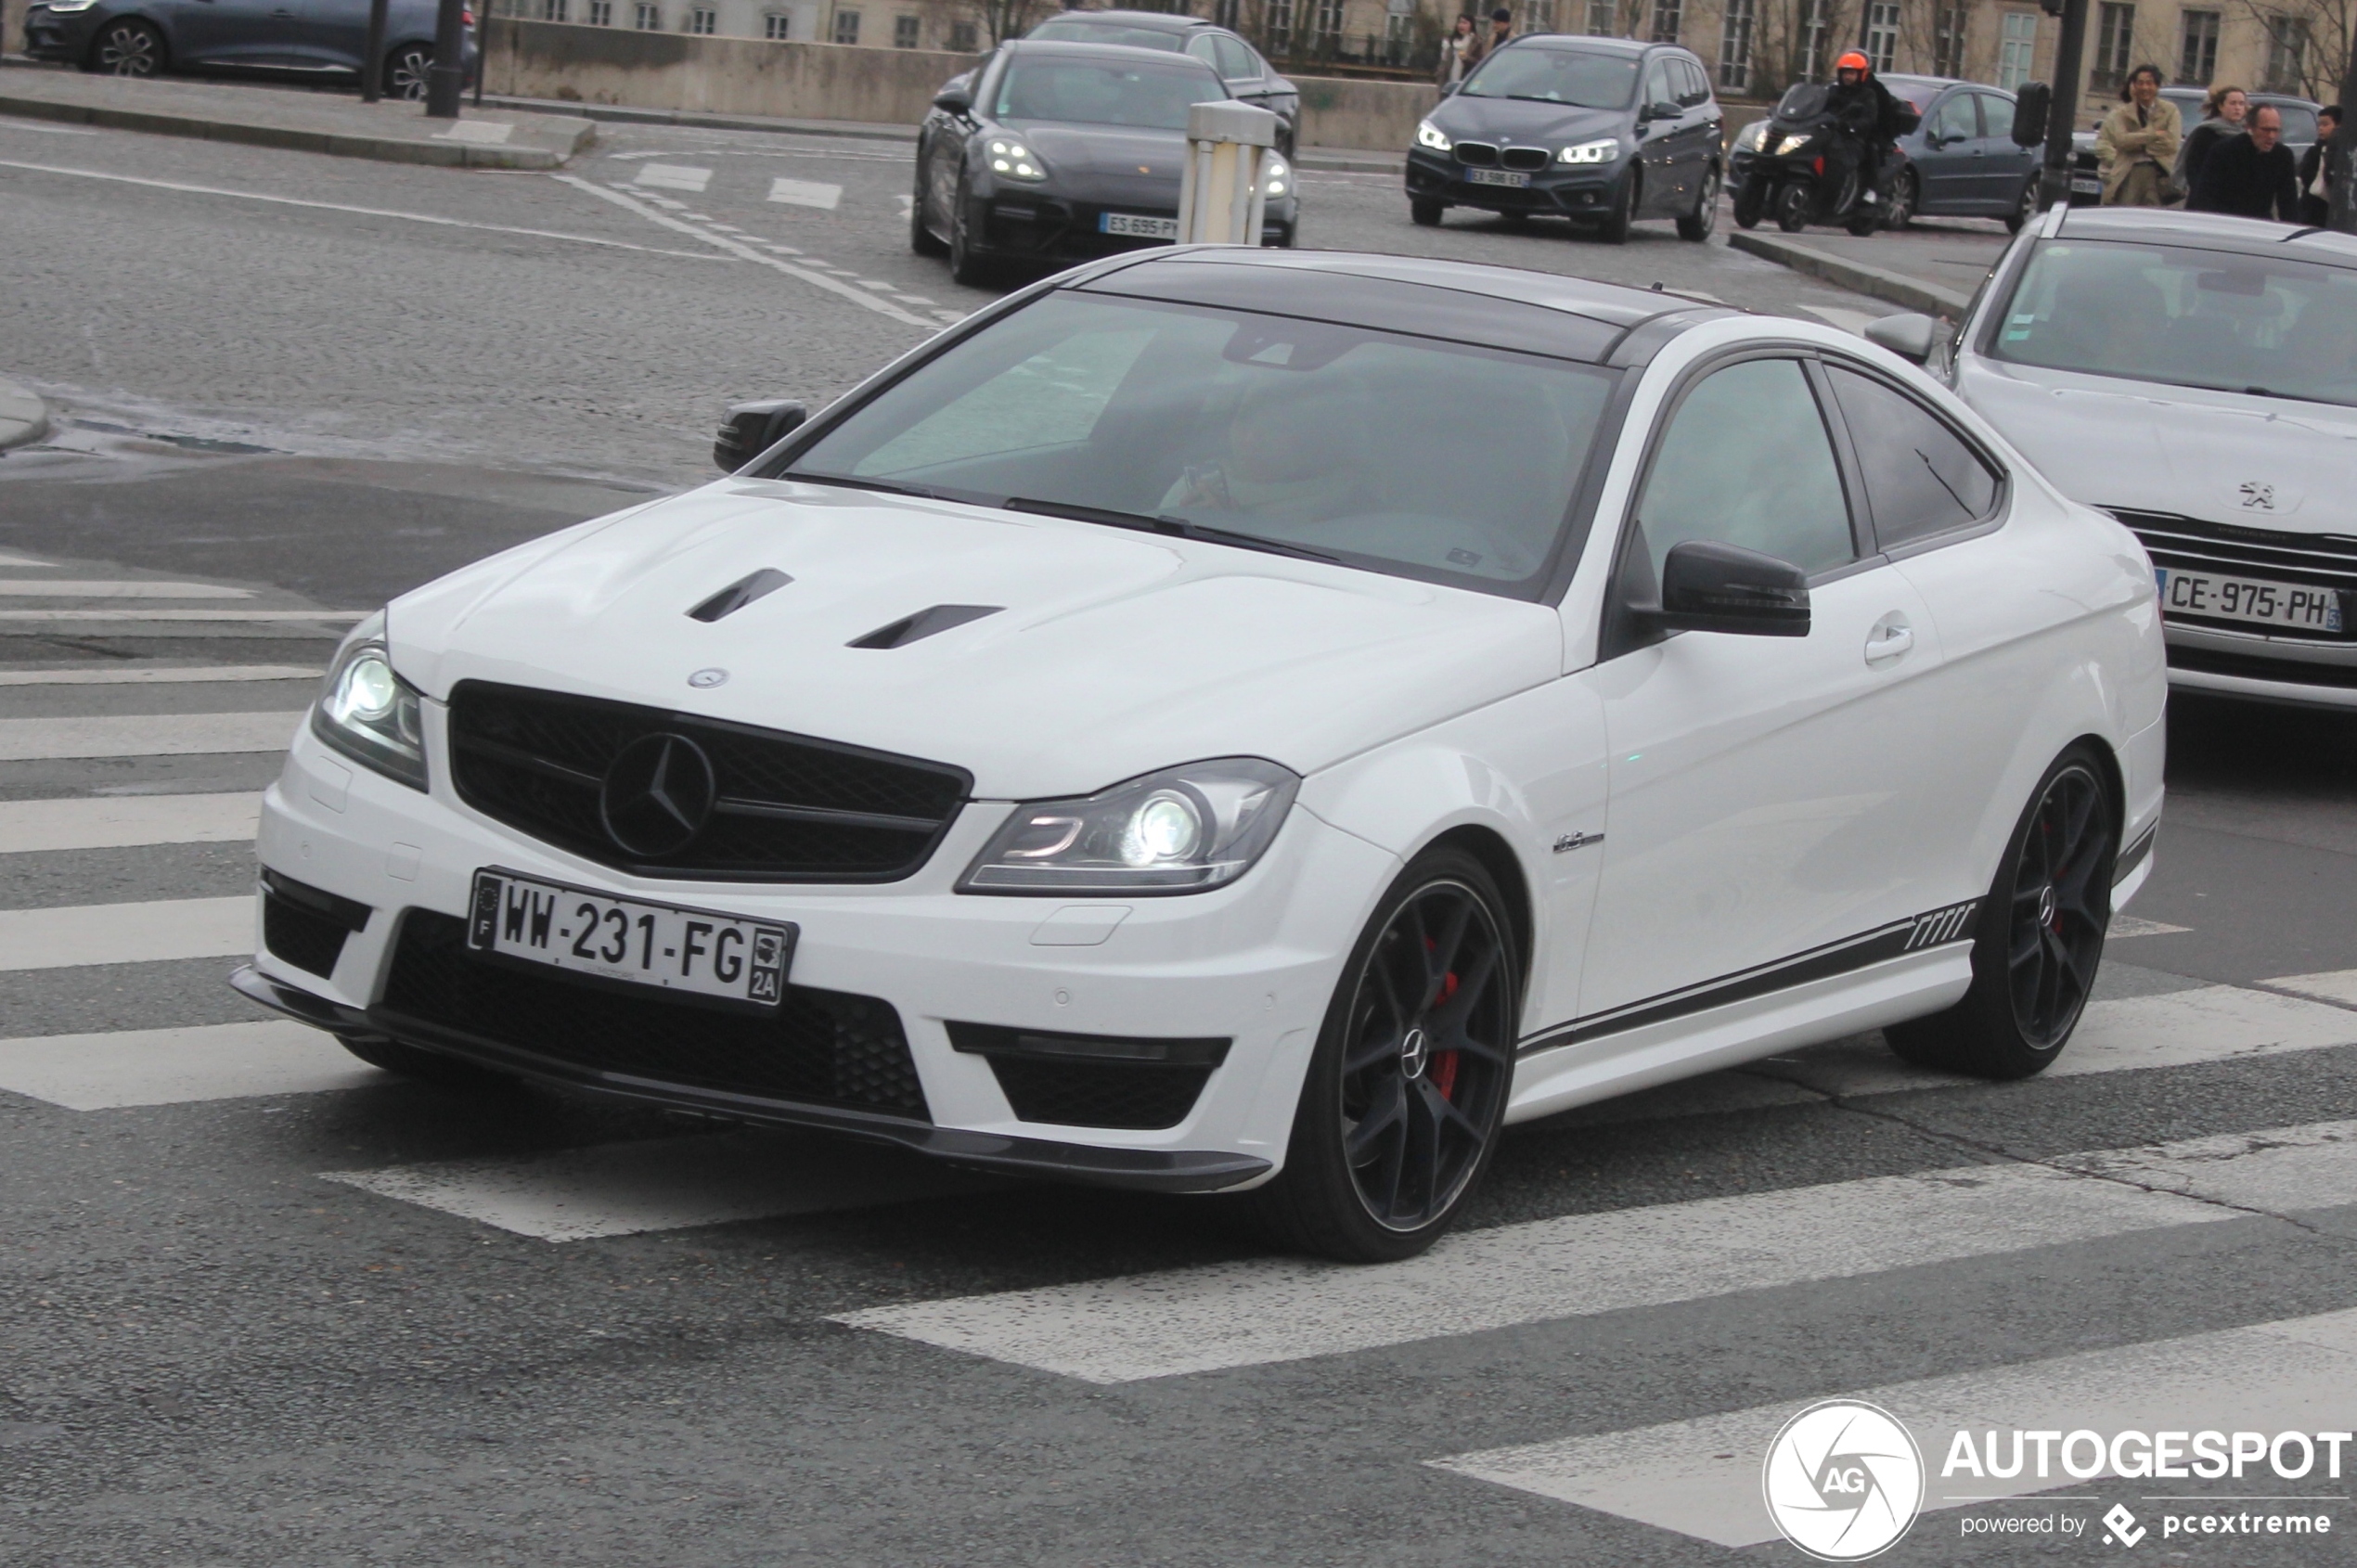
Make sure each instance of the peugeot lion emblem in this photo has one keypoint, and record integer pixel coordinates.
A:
(657, 794)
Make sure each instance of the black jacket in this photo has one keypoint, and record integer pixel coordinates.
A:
(2315, 210)
(2239, 179)
(1869, 109)
(2199, 142)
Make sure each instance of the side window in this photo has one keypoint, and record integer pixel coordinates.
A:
(1200, 46)
(1697, 86)
(1747, 462)
(1954, 120)
(1996, 118)
(1920, 477)
(1658, 88)
(1236, 62)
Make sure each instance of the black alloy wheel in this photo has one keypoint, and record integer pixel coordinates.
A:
(1424, 214)
(1751, 201)
(405, 71)
(1906, 200)
(1613, 230)
(1794, 200)
(964, 265)
(1407, 1090)
(128, 48)
(921, 239)
(2039, 936)
(2024, 209)
(1698, 225)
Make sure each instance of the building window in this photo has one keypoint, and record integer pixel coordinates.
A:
(906, 31)
(1947, 25)
(1882, 36)
(703, 21)
(1604, 20)
(846, 27)
(1227, 13)
(1398, 36)
(600, 13)
(2197, 49)
(1666, 21)
(1816, 28)
(2286, 55)
(1539, 16)
(2015, 43)
(2115, 35)
(1278, 21)
(1734, 44)
(553, 10)
(646, 18)
(963, 38)
(776, 27)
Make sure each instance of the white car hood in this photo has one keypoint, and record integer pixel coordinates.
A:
(1114, 655)
(2219, 456)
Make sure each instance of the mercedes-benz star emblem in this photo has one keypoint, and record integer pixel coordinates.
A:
(657, 794)
(704, 680)
(1414, 1051)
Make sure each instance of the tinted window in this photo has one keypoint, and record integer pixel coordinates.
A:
(1070, 31)
(1095, 93)
(1554, 75)
(1920, 477)
(1954, 120)
(1697, 87)
(1286, 431)
(1747, 462)
(1657, 83)
(1997, 117)
(1236, 62)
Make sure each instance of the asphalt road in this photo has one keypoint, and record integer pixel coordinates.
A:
(262, 1305)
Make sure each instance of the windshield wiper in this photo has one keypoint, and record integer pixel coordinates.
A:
(1177, 527)
(850, 482)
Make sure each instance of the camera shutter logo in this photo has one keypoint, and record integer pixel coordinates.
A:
(1843, 1481)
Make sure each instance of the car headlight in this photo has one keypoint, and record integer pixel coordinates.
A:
(1184, 830)
(1795, 143)
(370, 714)
(1601, 150)
(1752, 137)
(1276, 173)
(58, 7)
(1431, 135)
(1014, 161)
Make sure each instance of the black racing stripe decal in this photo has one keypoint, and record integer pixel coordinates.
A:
(1943, 927)
(2134, 855)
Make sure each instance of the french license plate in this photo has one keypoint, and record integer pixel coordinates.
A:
(2239, 598)
(655, 945)
(1508, 177)
(1137, 226)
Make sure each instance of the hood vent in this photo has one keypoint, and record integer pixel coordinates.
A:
(738, 594)
(924, 624)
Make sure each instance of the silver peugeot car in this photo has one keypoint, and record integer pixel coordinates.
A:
(2196, 375)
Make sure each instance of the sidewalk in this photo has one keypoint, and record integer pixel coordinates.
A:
(1933, 266)
(302, 121)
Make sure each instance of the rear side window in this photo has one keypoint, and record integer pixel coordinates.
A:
(1236, 62)
(1920, 477)
(1697, 86)
(1747, 462)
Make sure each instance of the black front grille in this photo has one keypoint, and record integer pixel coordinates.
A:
(1477, 155)
(816, 1048)
(1525, 157)
(310, 940)
(2182, 543)
(789, 808)
(1098, 1094)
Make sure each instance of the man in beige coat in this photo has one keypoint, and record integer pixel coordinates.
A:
(2137, 146)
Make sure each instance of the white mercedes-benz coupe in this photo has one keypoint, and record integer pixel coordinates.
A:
(1226, 720)
(2196, 375)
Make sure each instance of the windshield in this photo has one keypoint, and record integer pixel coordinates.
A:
(2300, 121)
(1410, 456)
(2265, 325)
(1076, 92)
(1068, 31)
(1802, 100)
(1553, 75)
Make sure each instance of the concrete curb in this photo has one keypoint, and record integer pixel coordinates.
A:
(383, 149)
(1858, 276)
(23, 417)
(625, 115)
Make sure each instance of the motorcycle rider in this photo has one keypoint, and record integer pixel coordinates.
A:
(1873, 120)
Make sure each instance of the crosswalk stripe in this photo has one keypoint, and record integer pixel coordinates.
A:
(664, 1184)
(144, 735)
(108, 1071)
(64, 617)
(806, 193)
(2339, 986)
(152, 674)
(672, 176)
(58, 588)
(1265, 1310)
(125, 933)
(9, 557)
(114, 821)
(1702, 1477)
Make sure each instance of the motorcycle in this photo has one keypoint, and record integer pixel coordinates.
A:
(1783, 168)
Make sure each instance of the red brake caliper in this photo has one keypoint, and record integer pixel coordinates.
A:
(1443, 1068)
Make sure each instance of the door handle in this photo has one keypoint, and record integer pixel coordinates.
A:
(1891, 639)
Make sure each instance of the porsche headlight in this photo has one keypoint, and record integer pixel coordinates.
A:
(1752, 137)
(1431, 135)
(1276, 173)
(370, 714)
(1795, 143)
(1601, 150)
(1014, 161)
(1184, 829)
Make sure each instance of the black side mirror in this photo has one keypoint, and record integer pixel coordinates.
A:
(953, 101)
(749, 429)
(1449, 89)
(2031, 106)
(1708, 587)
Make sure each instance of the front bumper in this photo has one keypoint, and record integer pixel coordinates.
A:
(1253, 964)
(1561, 190)
(65, 36)
(1048, 227)
(2310, 674)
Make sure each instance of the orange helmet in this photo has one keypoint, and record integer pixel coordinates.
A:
(1853, 60)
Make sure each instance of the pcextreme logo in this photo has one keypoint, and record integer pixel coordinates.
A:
(1843, 1481)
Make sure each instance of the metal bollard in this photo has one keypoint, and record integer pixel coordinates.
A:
(1222, 195)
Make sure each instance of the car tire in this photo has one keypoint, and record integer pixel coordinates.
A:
(1698, 225)
(1751, 202)
(965, 267)
(425, 1067)
(2024, 209)
(1425, 214)
(2040, 937)
(1794, 199)
(1392, 1135)
(921, 239)
(127, 47)
(407, 67)
(1613, 230)
(1906, 200)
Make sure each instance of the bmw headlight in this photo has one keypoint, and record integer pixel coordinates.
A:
(1014, 161)
(370, 714)
(1277, 172)
(59, 8)
(1184, 829)
(1601, 150)
(1795, 143)
(1752, 137)
(1431, 135)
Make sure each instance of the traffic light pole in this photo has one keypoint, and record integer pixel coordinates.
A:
(2053, 185)
(447, 76)
(372, 54)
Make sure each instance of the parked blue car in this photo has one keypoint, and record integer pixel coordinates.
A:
(148, 37)
(1962, 161)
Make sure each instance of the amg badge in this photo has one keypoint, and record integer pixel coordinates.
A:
(1570, 842)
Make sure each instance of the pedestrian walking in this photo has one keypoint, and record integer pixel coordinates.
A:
(2315, 190)
(1459, 51)
(2252, 175)
(2137, 146)
(2222, 113)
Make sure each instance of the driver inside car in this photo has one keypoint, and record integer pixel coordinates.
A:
(1294, 454)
